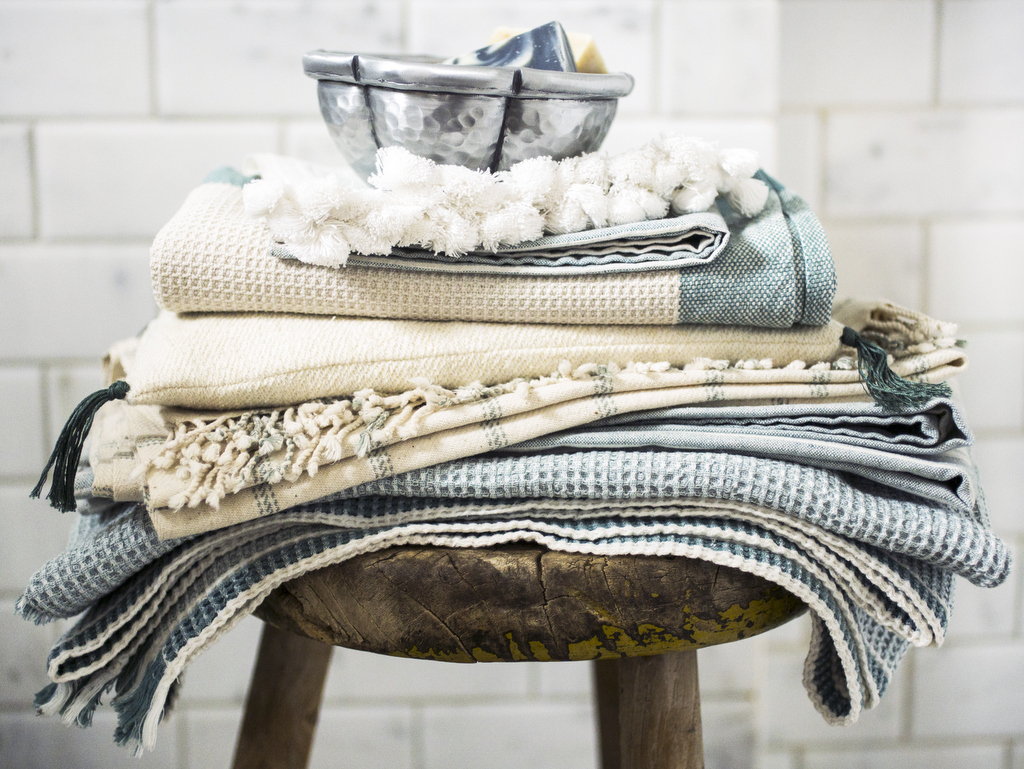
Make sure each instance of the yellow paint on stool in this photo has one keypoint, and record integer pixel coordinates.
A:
(736, 622)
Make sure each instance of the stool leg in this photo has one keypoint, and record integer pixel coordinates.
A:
(283, 703)
(606, 692)
(659, 712)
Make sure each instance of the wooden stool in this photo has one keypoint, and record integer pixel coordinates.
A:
(509, 604)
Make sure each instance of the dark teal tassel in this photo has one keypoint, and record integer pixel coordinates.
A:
(68, 449)
(889, 390)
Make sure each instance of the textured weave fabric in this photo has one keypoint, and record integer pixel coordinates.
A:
(947, 478)
(244, 360)
(211, 257)
(193, 481)
(937, 427)
(874, 566)
(857, 508)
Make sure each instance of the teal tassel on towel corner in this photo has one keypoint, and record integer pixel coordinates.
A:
(889, 390)
(68, 449)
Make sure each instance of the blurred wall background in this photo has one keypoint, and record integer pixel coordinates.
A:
(901, 121)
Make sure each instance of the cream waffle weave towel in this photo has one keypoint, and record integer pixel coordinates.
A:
(776, 271)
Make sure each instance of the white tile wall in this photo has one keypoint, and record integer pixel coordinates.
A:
(772, 760)
(719, 56)
(74, 58)
(730, 735)
(216, 58)
(916, 163)
(310, 141)
(999, 462)
(985, 611)
(15, 182)
(856, 52)
(794, 635)
(49, 296)
(799, 163)
(538, 735)
(879, 260)
(364, 738)
(30, 742)
(789, 717)
(210, 735)
(900, 123)
(993, 386)
(952, 757)
(365, 676)
(982, 56)
(969, 690)
(973, 272)
(20, 391)
(22, 555)
(125, 180)
(18, 640)
(565, 679)
(734, 668)
(360, 737)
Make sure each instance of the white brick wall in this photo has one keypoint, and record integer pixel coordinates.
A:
(983, 59)
(899, 120)
(719, 56)
(856, 52)
(902, 121)
(15, 186)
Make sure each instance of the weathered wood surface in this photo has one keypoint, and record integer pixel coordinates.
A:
(524, 602)
(283, 703)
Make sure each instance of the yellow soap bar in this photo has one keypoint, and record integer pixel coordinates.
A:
(584, 50)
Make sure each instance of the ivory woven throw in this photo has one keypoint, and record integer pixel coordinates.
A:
(776, 271)
(245, 360)
(874, 566)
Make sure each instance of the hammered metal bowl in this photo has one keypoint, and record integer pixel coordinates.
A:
(487, 118)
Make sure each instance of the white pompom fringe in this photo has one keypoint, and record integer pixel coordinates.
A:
(415, 202)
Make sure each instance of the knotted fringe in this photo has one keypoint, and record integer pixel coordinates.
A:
(889, 390)
(45, 696)
(138, 712)
(68, 449)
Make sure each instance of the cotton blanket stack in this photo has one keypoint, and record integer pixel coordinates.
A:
(674, 384)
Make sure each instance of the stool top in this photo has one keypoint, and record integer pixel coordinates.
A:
(525, 602)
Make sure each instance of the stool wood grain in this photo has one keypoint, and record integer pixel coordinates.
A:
(641, 617)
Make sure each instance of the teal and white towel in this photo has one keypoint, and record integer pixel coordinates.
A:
(875, 566)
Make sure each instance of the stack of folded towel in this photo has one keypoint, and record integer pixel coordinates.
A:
(676, 385)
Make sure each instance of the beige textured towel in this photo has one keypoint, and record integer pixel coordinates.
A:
(238, 360)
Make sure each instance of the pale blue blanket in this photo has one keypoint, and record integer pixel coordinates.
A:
(879, 574)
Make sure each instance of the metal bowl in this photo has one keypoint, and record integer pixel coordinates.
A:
(480, 117)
